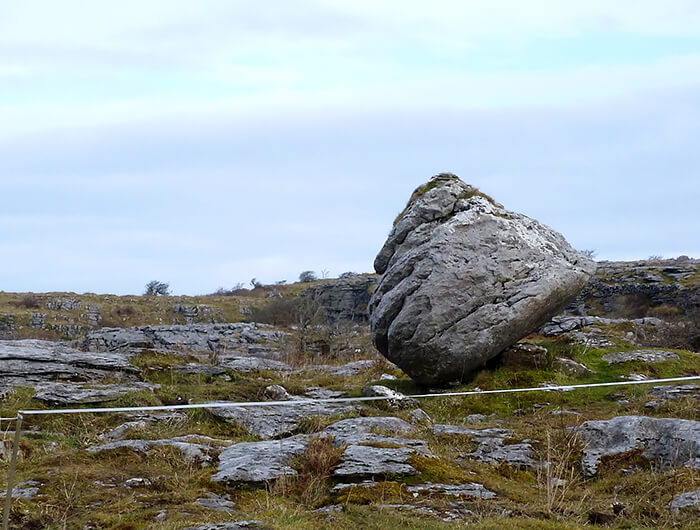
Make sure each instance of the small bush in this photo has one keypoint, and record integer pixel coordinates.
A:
(156, 288)
(30, 301)
(279, 312)
(307, 276)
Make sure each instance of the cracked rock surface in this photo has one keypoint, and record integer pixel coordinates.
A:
(30, 361)
(665, 441)
(463, 279)
(256, 462)
(364, 460)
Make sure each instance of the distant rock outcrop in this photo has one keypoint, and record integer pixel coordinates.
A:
(29, 362)
(344, 299)
(463, 279)
(642, 288)
(241, 338)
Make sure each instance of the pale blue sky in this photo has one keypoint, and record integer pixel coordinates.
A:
(207, 143)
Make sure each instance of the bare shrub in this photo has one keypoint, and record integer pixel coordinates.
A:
(29, 301)
(682, 332)
(279, 312)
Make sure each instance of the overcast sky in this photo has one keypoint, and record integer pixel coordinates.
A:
(206, 143)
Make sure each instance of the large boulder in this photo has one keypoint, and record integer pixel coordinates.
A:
(463, 279)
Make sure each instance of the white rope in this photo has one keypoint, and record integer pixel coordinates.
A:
(301, 402)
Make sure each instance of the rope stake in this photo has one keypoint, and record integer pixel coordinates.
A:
(11, 473)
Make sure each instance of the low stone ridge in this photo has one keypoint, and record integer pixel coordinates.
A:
(219, 503)
(343, 299)
(238, 339)
(665, 441)
(492, 446)
(27, 362)
(645, 356)
(686, 501)
(395, 400)
(570, 366)
(254, 364)
(367, 429)
(677, 392)
(275, 421)
(463, 279)
(471, 489)
(454, 511)
(140, 422)
(72, 394)
(519, 454)
(199, 369)
(363, 461)
(26, 490)
(259, 462)
(254, 525)
(351, 368)
(564, 323)
(194, 448)
(195, 312)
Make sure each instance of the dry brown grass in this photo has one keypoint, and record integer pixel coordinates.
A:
(315, 468)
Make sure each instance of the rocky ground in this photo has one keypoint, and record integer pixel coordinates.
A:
(624, 457)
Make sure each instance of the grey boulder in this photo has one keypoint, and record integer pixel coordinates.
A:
(666, 441)
(463, 279)
(259, 462)
(686, 501)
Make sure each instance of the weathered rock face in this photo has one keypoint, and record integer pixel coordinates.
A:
(344, 299)
(463, 279)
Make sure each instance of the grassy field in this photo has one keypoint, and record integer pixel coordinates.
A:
(83, 490)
